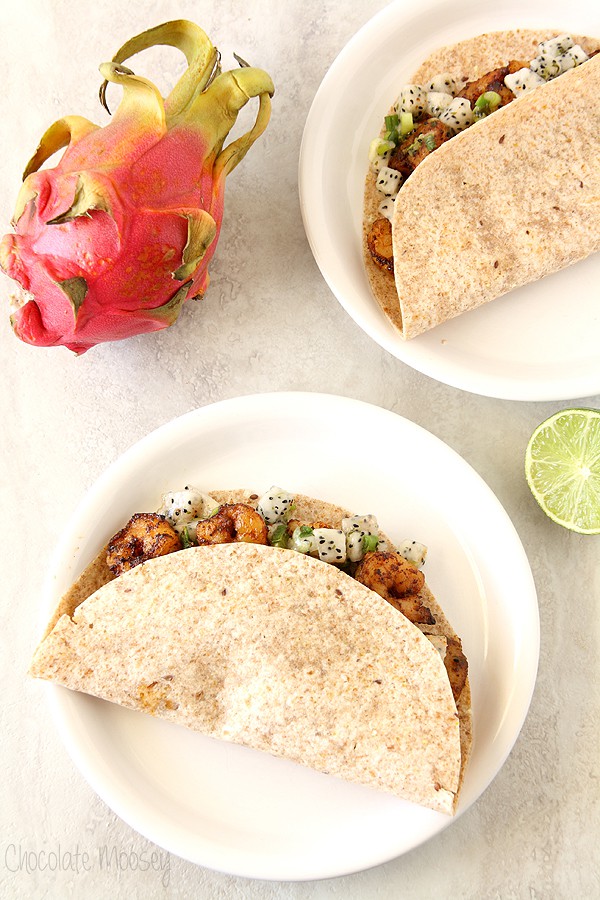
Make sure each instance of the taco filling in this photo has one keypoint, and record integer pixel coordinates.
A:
(351, 543)
(426, 116)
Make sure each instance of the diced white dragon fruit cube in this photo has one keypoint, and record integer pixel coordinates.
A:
(181, 508)
(550, 66)
(444, 84)
(413, 551)
(356, 528)
(545, 67)
(522, 81)
(555, 46)
(388, 181)
(411, 99)
(573, 57)
(368, 524)
(275, 505)
(437, 102)
(330, 544)
(386, 208)
(458, 115)
(355, 544)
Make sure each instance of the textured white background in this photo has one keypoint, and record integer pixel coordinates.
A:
(268, 322)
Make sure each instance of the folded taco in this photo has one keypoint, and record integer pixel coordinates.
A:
(486, 175)
(336, 656)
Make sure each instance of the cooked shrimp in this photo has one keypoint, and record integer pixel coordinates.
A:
(389, 574)
(233, 522)
(379, 242)
(413, 608)
(145, 536)
(426, 138)
(457, 666)
(397, 581)
(493, 81)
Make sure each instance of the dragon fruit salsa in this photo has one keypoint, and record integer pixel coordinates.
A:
(359, 534)
(424, 117)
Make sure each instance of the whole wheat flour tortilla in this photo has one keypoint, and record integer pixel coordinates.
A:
(275, 651)
(513, 198)
(61, 656)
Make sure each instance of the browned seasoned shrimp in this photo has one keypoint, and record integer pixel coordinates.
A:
(397, 581)
(233, 522)
(457, 666)
(145, 536)
(493, 81)
(426, 138)
(380, 244)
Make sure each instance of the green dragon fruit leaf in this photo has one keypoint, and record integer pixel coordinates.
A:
(55, 138)
(202, 229)
(140, 97)
(88, 196)
(121, 231)
(59, 135)
(75, 289)
(234, 153)
(228, 93)
(202, 59)
(203, 94)
(169, 311)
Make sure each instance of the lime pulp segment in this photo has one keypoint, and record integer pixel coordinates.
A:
(562, 465)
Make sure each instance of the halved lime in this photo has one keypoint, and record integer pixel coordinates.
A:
(562, 467)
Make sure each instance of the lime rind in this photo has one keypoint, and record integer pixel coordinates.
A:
(562, 467)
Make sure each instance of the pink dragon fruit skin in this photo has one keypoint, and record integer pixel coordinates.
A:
(113, 240)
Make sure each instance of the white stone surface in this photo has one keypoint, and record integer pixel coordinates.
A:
(534, 833)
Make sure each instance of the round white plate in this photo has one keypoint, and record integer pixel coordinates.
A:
(241, 811)
(540, 342)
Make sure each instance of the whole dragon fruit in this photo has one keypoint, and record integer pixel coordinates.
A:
(113, 240)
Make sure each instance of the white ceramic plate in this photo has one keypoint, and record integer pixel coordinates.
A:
(541, 342)
(241, 811)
